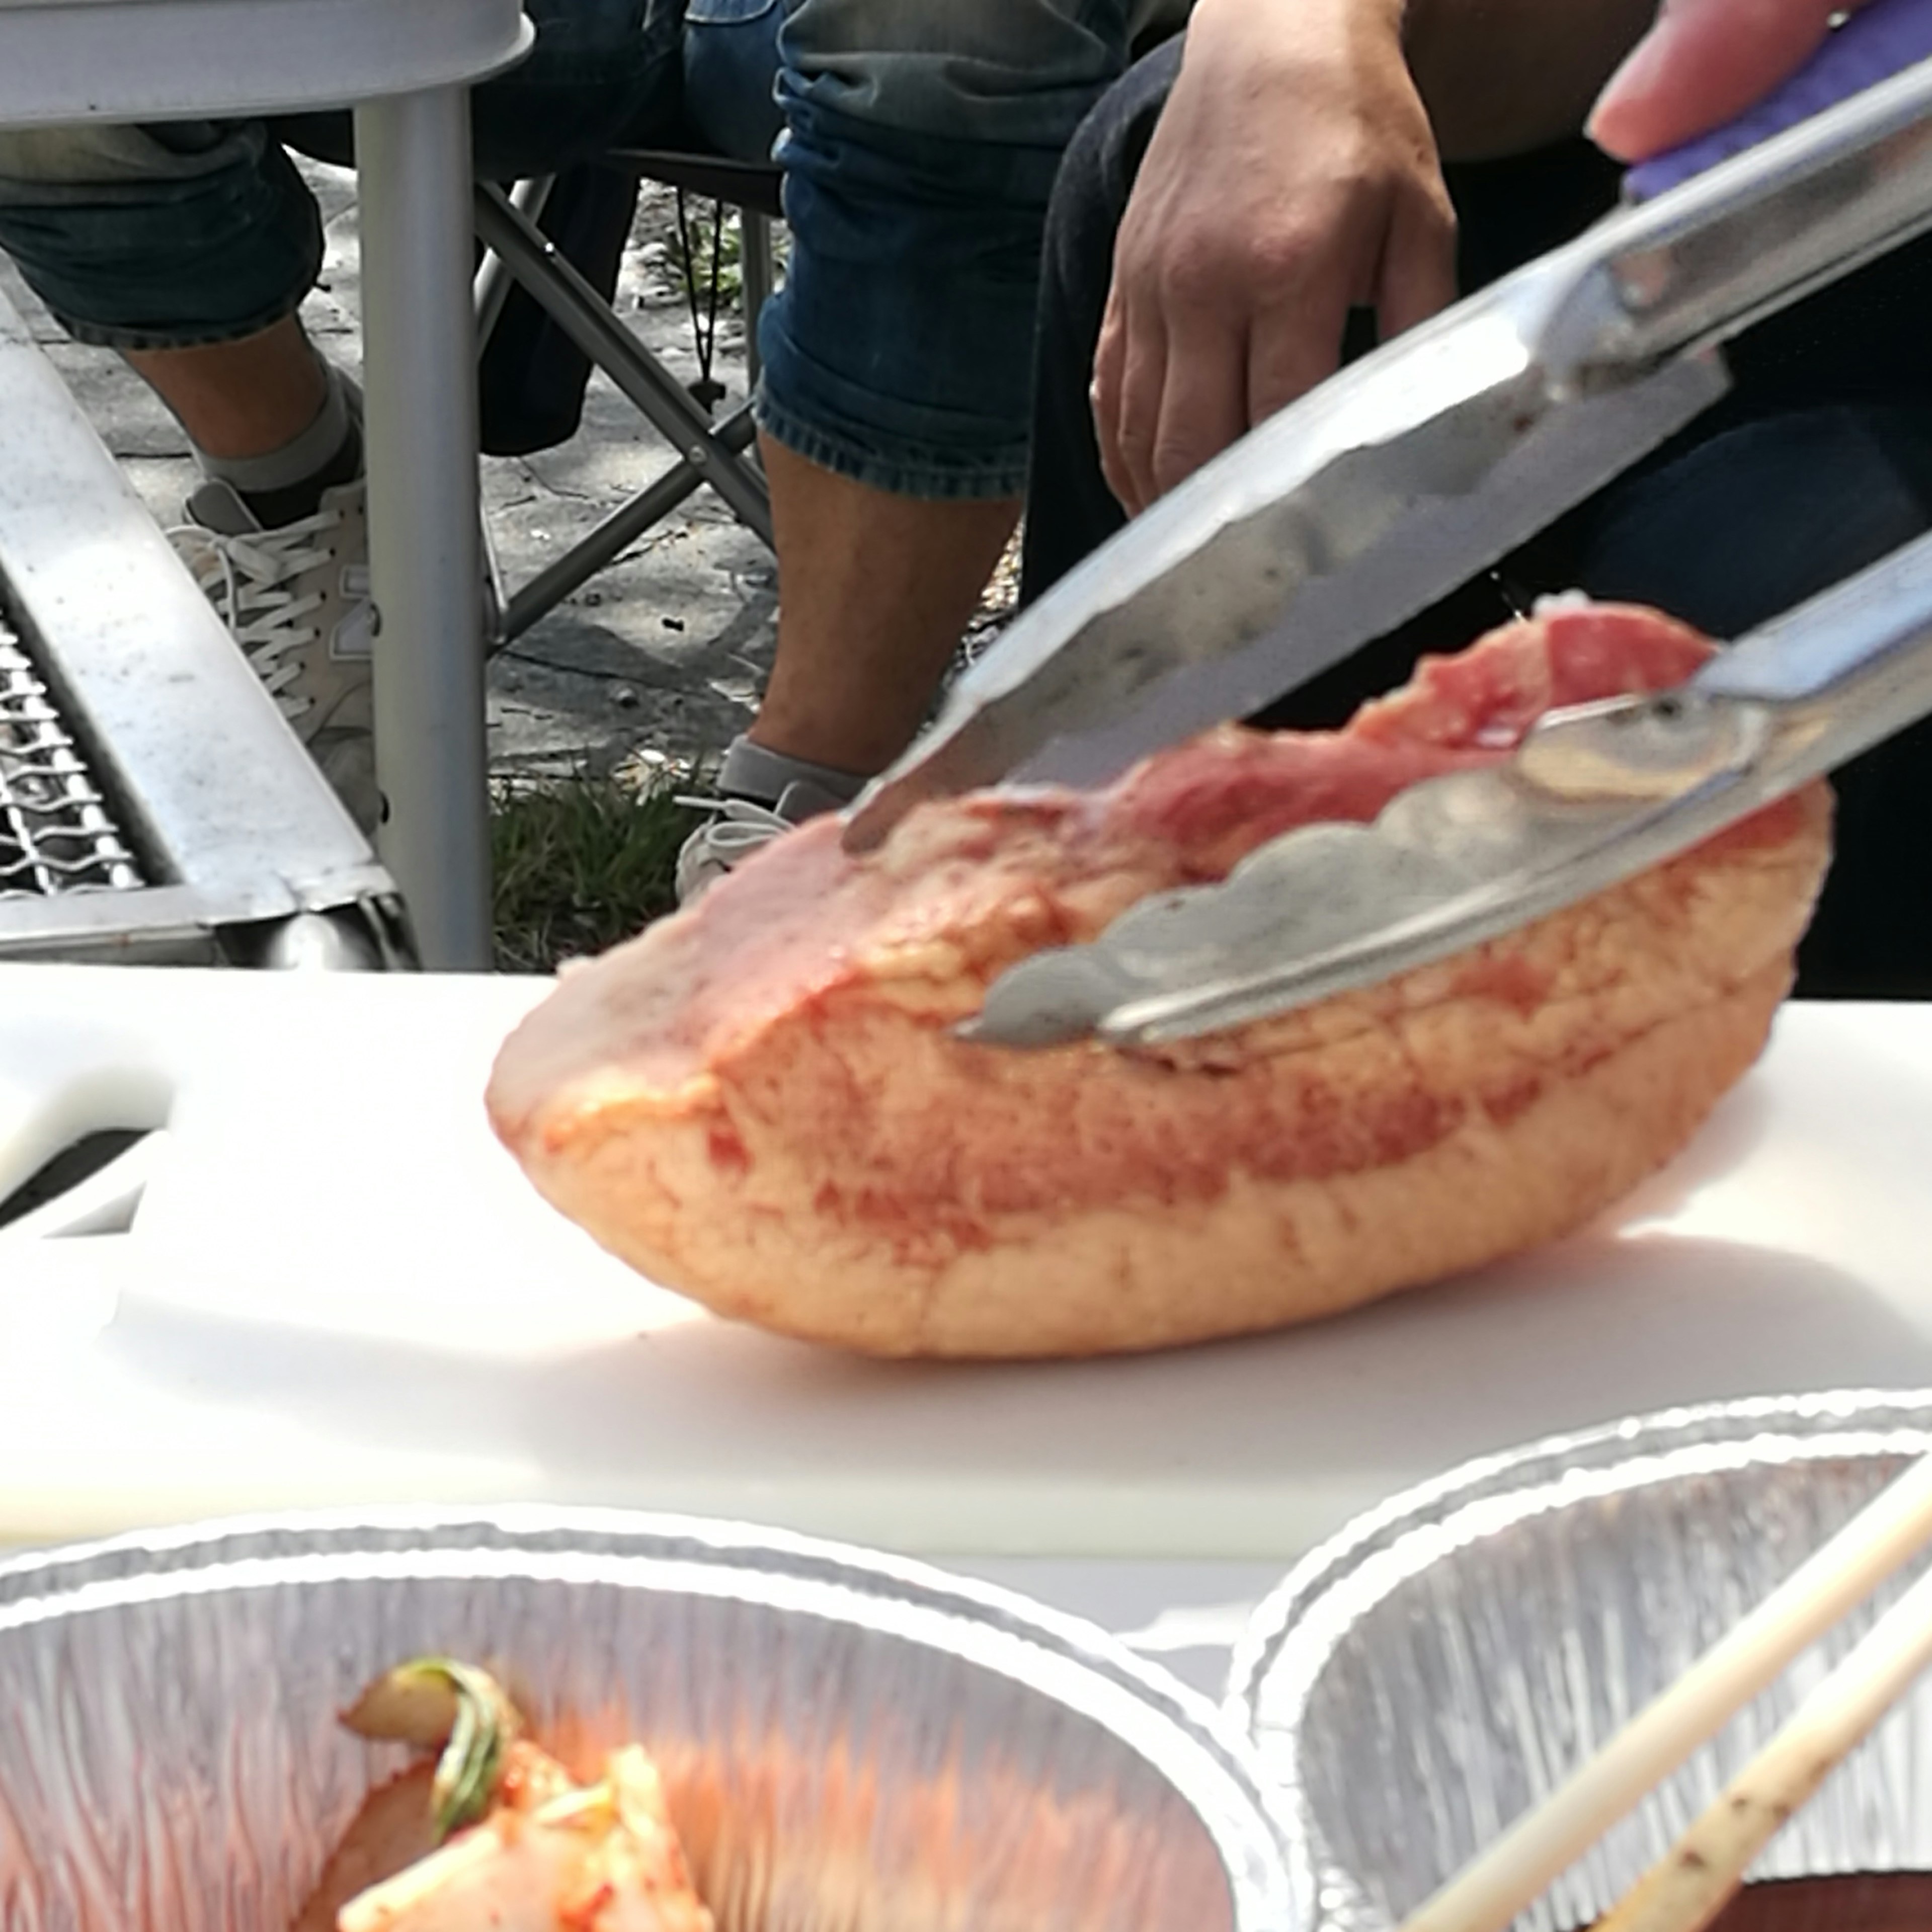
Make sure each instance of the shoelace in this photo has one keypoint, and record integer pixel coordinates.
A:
(738, 825)
(247, 579)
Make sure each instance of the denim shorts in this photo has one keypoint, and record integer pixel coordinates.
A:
(919, 138)
(920, 146)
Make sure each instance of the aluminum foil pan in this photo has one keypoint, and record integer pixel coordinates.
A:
(1445, 1661)
(851, 1743)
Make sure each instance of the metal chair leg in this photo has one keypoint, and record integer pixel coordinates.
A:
(575, 305)
(615, 534)
(755, 253)
(494, 279)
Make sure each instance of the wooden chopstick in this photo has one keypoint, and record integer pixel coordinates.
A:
(1688, 1887)
(1514, 1871)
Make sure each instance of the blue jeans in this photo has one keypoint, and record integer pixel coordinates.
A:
(920, 146)
(919, 138)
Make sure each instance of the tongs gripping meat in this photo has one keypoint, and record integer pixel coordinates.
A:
(1385, 489)
(1594, 795)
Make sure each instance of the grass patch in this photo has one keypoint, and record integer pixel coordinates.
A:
(581, 863)
(705, 242)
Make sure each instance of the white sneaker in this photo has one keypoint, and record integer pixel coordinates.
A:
(297, 602)
(739, 827)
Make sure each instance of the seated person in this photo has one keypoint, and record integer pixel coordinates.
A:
(920, 144)
(188, 247)
(1189, 291)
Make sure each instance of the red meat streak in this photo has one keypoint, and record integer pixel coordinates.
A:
(805, 931)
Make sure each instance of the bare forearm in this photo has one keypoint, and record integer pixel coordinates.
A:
(1293, 177)
(1500, 77)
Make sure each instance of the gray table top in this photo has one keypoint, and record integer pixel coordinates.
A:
(75, 60)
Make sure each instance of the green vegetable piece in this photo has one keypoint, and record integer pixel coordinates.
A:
(437, 1702)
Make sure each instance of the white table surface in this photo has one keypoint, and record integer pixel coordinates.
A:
(78, 60)
(339, 1289)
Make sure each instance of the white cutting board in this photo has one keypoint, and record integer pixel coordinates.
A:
(338, 1290)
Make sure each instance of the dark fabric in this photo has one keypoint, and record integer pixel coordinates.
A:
(921, 147)
(601, 73)
(1070, 511)
(1819, 462)
(604, 73)
(532, 377)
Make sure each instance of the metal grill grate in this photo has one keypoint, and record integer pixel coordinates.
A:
(56, 834)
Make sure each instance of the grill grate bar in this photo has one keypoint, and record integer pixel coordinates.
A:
(58, 836)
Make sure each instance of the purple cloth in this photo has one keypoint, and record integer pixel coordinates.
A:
(1878, 41)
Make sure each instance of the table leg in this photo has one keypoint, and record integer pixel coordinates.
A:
(425, 557)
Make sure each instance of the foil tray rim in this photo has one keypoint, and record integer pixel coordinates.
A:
(1288, 1641)
(1658, 1446)
(1182, 1735)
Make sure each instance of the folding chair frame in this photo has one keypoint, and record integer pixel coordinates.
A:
(709, 453)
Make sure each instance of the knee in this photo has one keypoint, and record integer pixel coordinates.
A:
(1016, 73)
(573, 33)
(86, 155)
(191, 247)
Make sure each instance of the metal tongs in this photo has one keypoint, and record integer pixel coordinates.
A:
(1401, 479)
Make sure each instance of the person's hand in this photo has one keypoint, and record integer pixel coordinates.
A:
(1293, 176)
(1702, 63)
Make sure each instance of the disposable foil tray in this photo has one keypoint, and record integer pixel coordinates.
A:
(1442, 1664)
(849, 1743)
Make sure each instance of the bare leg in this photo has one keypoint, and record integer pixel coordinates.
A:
(874, 592)
(240, 399)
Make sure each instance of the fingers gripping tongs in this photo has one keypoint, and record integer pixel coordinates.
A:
(1400, 480)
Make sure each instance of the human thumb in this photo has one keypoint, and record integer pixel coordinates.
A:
(1702, 63)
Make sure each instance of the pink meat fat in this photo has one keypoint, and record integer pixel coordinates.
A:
(965, 886)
